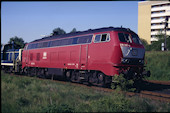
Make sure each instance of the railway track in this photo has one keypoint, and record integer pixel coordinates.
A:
(145, 94)
(159, 82)
(161, 96)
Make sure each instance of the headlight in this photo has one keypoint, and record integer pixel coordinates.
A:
(141, 61)
(125, 61)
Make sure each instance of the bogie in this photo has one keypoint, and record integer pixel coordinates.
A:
(87, 77)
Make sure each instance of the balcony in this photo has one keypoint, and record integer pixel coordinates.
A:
(157, 27)
(167, 32)
(159, 8)
(158, 20)
(158, 15)
(155, 32)
(154, 39)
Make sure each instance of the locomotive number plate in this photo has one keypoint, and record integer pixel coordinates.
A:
(134, 52)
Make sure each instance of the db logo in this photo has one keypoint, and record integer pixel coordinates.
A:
(44, 55)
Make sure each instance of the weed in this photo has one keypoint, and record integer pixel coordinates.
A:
(34, 95)
(57, 108)
(159, 64)
(122, 83)
(22, 101)
(24, 83)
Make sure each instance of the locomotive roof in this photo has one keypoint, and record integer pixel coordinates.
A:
(84, 32)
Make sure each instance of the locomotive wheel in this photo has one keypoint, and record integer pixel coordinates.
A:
(28, 72)
(25, 71)
(93, 79)
(101, 79)
(43, 73)
(75, 77)
(40, 72)
(33, 72)
(68, 75)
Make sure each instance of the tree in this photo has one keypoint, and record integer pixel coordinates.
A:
(156, 45)
(145, 44)
(58, 31)
(18, 42)
(160, 35)
(163, 37)
(73, 30)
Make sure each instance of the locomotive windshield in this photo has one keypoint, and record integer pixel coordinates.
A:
(124, 37)
(136, 39)
(127, 38)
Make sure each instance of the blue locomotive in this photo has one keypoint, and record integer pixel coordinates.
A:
(10, 58)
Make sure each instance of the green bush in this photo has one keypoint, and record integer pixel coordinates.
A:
(122, 83)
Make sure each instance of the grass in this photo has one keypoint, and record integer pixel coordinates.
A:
(29, 94)
(159, 65)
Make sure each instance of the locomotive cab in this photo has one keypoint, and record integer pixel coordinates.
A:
(132, 55)
(132, 49)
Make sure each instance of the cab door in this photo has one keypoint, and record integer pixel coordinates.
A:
(83, 57)
(25, 57)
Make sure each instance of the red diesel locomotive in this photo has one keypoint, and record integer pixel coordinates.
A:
(92, 56)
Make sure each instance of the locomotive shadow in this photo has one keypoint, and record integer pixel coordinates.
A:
(62, 78)
(149, 86)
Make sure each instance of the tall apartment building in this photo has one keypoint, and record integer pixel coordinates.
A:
(151, 19)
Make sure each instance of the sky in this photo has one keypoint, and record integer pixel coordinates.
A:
(34, 20)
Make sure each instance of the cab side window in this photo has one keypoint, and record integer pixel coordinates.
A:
(102, 38)
(97, 38)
